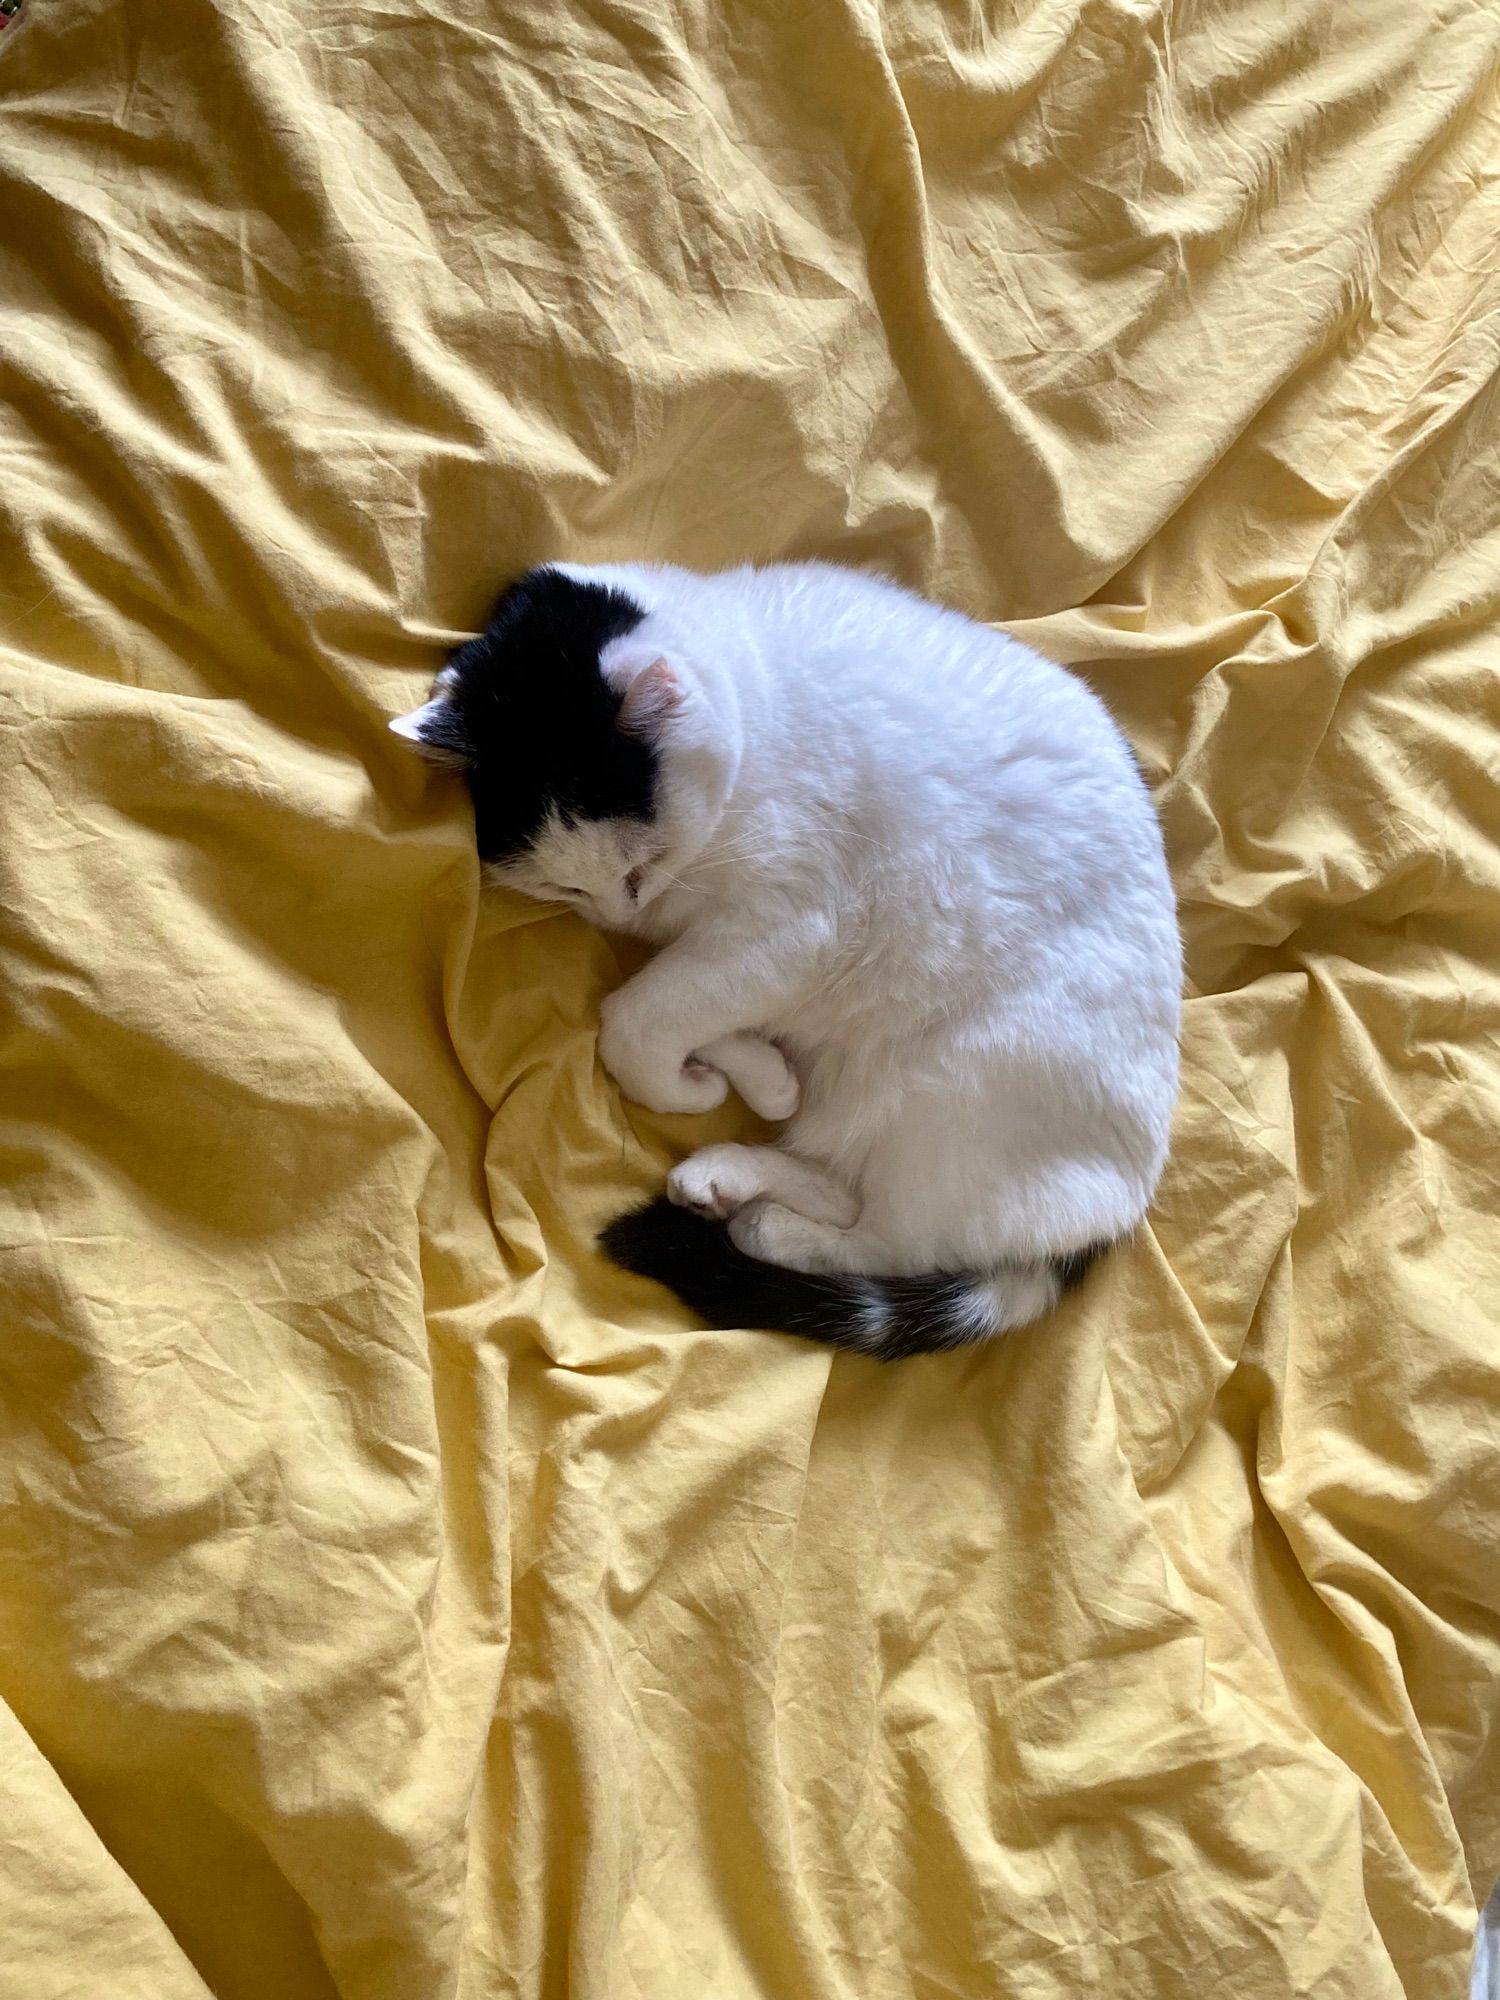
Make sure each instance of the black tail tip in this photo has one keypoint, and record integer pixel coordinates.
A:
(697, 1259)
(655, 1238)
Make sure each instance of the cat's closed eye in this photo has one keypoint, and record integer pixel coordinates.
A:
(633, 883)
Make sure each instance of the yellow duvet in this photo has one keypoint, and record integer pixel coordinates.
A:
(395, 1604)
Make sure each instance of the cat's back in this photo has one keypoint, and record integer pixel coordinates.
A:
(998, 783)
(949, 724)
(795, 611)
(826, 633)
(841, 620)
(932, 692)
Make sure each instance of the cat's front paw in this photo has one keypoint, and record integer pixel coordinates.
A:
(780, 1096)
(759, 1072)
(676, 1087)
(697, 1086)
(691, 1088)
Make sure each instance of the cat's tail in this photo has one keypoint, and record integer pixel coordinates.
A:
(885, 1317)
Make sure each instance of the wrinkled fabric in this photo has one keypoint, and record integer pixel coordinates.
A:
(394, 1602)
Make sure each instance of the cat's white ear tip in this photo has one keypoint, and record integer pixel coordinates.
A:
(414, 726)
(416, 729)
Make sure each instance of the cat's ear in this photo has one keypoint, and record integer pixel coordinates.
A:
(649, 700)
(429, 729)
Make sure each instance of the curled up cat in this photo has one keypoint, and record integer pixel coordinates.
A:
(910, 898)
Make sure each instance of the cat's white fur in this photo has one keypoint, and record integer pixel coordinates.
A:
(917, 858)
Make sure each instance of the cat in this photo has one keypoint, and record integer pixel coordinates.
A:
(911, 898)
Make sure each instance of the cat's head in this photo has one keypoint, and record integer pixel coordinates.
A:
(579, 742)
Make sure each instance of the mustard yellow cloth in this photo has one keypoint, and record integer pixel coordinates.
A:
(394, 1604)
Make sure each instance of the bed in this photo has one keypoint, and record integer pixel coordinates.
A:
(397, 1604)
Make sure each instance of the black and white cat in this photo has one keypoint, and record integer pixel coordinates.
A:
(910, 896)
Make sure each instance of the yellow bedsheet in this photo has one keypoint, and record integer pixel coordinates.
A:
(393, 1603)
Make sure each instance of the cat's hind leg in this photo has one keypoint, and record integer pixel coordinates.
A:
(720, 1180)
(777, 1233)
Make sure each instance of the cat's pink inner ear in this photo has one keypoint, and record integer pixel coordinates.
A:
(650, 699)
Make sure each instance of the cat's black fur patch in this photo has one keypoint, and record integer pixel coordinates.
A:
(532, 720)
(699, 1261)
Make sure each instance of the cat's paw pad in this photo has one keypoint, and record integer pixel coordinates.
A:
(714, 1187)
